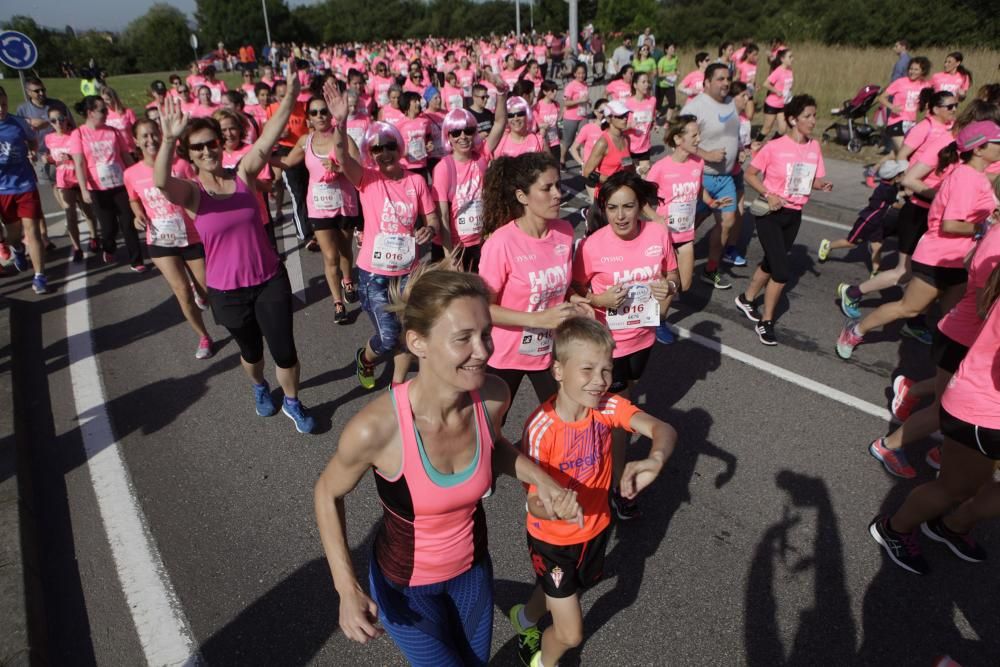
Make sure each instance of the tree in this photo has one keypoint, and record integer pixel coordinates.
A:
(236, 22)
(158, 39)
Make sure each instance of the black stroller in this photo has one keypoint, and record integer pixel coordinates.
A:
(853, 134)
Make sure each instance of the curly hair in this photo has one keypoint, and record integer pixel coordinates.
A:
(504, 177)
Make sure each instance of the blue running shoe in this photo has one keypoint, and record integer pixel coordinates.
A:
(262, 400)
(918, 333)
(850, 307)
(733, 256)
(297, 413)
(664, 334)
(21, 262)
(39, 284)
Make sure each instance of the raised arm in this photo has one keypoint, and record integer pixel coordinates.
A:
(499, 117)
(337, 103)
(178, 191)
(260, 153)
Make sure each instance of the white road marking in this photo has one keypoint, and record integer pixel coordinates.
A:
(293, 263)
(826, 223)
(160, 622)
(787, 375)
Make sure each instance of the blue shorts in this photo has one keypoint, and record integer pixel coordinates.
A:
(373, 292)
(718, 187)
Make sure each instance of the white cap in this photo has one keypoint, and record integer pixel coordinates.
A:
(892, 168)
(615, 108)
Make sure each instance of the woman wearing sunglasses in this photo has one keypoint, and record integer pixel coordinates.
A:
(611, 152)
(392, 202)
(459, 178)
(518, 139)
(248, 287)
(331, 203)
(67, 189)
(100, 156)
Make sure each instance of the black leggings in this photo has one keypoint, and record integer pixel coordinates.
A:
(543, 382)
(113, 213)
(776, 233)
(255, 314)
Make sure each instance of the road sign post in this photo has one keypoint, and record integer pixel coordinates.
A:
(17, 51)
(194, 45)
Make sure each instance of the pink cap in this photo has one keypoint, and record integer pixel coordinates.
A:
(978, 133)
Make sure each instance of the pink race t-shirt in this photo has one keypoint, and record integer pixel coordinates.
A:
(955, 83)
(962, 323)
(678, 187)
(747, 71)
(415, 132)
(576, 91)
(965, 194)
(530, 275)
(452, 98)
(693, 84)
(604, 259)
(618, 90)
(461, 185)
(391, 115)
(587, 137)
(547, 113)
(59, 148)
(123, 122)
(103, 151)
(169, 224)
(905, 94)
(790, 168)
(640, 123)
(511, 148)
(781, 79)
(973, 392)
(391, 209)
(929, 135)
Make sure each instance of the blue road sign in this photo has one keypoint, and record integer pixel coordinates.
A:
(17, 50)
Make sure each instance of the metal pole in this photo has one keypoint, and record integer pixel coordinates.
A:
(517, 17)
(24, 88)
(267, 26)
(531, 7)
(573, 26)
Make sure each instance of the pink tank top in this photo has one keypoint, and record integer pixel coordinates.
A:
(237, 251)
(433, 525)
(329, 194)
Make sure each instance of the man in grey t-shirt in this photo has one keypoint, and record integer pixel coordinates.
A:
(623, 54)
(36, 112)
(719, 123)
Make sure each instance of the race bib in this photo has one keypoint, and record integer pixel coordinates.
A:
(787, 95)
(552, 134)
(393, 252)
(416, 149)
(383, 99)
(327, 197)
(680, 215)
(470, 219)
(642, 120)
(908, 125)
(638, 310)
(535, 342)
(216, 95)
(455, 102)
(168, 231)
(110, 175)
(800, 179)
(672, 79)
(356, 134)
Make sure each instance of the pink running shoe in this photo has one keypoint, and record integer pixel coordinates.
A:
(894, 460)
(848, 340)
(902, 403)
(934, 457)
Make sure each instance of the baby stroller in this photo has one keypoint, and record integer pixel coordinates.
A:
(855, 134)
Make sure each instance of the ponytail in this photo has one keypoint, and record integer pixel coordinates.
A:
(990, 293)
(957, 55)
(504, 177)
(645, 193)
(949, 155)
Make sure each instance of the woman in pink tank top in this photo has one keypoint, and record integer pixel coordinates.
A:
(248, 287)
(434, 445)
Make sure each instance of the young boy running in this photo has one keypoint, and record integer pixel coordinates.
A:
(569, 436)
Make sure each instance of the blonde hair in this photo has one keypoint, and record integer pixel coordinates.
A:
(429, 291)
(582, 330)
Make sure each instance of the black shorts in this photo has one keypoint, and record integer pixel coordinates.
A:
(342, 222)
(562, 570)
(895, 130)
(772, 111)
(984, 440)
(271, 300)
(188, 253)
(940, 277)
(946, 353)
(628, 368)
(911, 226)
(470, 256)
(638, 157)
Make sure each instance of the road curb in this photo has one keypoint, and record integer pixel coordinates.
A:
(20, 582)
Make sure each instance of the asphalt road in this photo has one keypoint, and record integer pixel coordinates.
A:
(753, 548)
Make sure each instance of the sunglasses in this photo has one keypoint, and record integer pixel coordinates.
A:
(949, 107)
(468, 131)
(517, 114)
(319, 112)
(37, 90)
(57, 119)
(379, 149)
(624, 116)
(212, 144)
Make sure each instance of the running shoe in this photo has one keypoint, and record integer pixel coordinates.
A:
(77, 256)
(664, 334)
(715, 279)
(198, 301)
(204, 350)
(312, 245)
(961, 544)
(350, 291)
(139, 268)
(824, 250)
(39, 284)
(365, 369)
(263, 401)
(50, 246)
(747, 308)
(304, 423)
(933, 457)
(108, 257)
(6, 256)
(733, 256)
(21, 262)
(339, 313)
(848, 340)
(902, 402)
(92, 246)
(850, 307)
(765, 332)
(625, 509)
(902, 549)
(529, 640)
(894, 460)
(917, 332)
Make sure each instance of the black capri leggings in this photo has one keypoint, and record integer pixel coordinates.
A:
(255, 314)
(776, 233)
(113, 212)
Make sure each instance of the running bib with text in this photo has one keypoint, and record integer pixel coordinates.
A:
(393, 252)
(470, 219)
(535, 342)
(110, 175)
(168, 231)
(327, 197)
(416, 150)
(800, 179)
(680, 215)
(638, 310)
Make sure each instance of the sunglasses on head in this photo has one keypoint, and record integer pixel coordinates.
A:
(517, 114)
(319, 112)
(212, 144)
(381, 148)
(949, 107)
(467, 131)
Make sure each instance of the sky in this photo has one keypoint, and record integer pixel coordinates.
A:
(106, 14)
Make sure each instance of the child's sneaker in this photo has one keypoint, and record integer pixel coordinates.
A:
(824, 250)
(625, 509)
(529, 640)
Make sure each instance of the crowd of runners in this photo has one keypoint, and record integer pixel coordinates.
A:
(428, 177)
